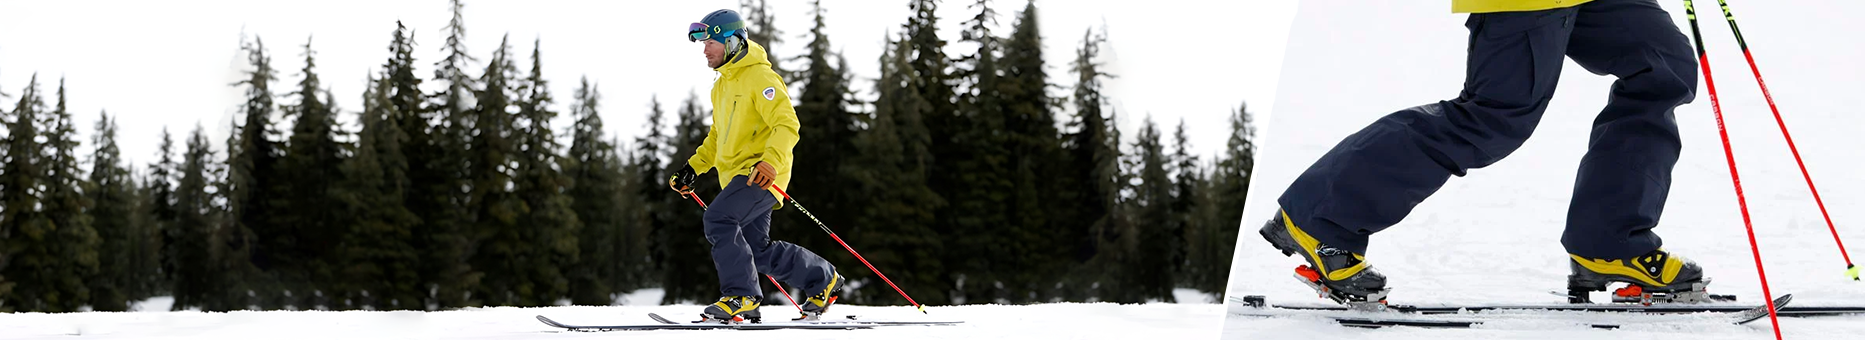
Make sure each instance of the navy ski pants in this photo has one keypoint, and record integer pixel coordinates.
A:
(738, 224)
(1373, 178)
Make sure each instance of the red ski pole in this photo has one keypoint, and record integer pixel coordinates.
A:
(780, 286)
(851, 250)
(1742, 202)
(1851, 270)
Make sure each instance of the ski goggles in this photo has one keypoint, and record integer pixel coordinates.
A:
(701, 31)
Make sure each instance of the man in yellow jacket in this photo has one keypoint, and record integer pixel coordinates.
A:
(753, 130)
(1373, 178)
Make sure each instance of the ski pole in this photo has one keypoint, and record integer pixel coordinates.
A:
(1741, 201)
(1851, 270)
(780, 286)
(851, 250)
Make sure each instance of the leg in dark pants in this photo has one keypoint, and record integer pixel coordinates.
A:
(738, 225)
(1625, 176)
(1373, 178)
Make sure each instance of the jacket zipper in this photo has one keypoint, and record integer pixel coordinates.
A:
(729, 117)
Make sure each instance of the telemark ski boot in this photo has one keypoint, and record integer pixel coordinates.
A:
(733, 310)
(1656, 277)
(816, 304)
(1336, 274)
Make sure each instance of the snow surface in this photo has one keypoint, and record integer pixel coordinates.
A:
(1046, 321)
(1494, 236)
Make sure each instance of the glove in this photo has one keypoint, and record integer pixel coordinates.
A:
(682, 180)
(762, 175)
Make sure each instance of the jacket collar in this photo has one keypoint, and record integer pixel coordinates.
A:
(753, 56)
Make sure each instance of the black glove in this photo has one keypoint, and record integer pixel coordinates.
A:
(682, 180)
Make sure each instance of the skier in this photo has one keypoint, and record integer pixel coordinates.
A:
(1373, 178)
(754, 127)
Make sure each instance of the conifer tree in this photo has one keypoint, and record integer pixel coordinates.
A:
(306, 210)
(1093, 179)
(20, 220)
(681, 246)
(1047, 241)
(596, 193)
(491, 152)
(146, 275)
(645, 191)
(252, 173)
(109, 190)
(546, 223)
(196, 278)
(237, 284)
(52, 248)
(895, 224)
(65, 207)
(378, 244)
(1153, 258)
(446, 219)
(1229, 186)
(976, 168)
(163, 215)
(827, 145)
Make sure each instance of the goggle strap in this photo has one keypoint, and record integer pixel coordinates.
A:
(705, 31)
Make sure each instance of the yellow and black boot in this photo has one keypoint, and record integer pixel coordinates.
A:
(1657, 276)
(734, 309)
(818, 303)
(1336, 274)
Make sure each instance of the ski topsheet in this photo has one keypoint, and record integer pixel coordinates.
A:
(698, 326)
(851, 320)
(662, 323)
(1432, 318)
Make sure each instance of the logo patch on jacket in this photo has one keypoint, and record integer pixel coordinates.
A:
(770, 93)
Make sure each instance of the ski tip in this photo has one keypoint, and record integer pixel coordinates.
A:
(661, 319)
(549, 322)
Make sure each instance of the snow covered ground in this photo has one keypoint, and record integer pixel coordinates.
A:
(1048, 321)
(1494, 236)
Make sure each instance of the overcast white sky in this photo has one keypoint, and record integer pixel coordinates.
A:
(156, 64)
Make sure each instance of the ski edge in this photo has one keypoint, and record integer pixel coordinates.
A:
(1788, 311)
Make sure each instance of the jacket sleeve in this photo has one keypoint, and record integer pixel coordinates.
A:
(702, 156)
(782, 119)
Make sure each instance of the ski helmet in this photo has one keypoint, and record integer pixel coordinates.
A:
(717, 26)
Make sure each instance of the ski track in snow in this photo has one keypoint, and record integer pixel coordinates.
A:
(1494, 236)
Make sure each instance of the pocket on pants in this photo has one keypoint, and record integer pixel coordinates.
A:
(1515, 57)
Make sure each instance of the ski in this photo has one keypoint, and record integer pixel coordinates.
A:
(1404, 316)
(663, 323)
(851, 321)
(699, 326)
(1799, 311)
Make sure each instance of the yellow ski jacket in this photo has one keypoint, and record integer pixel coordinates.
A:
(1491, 6)
(752, 121)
